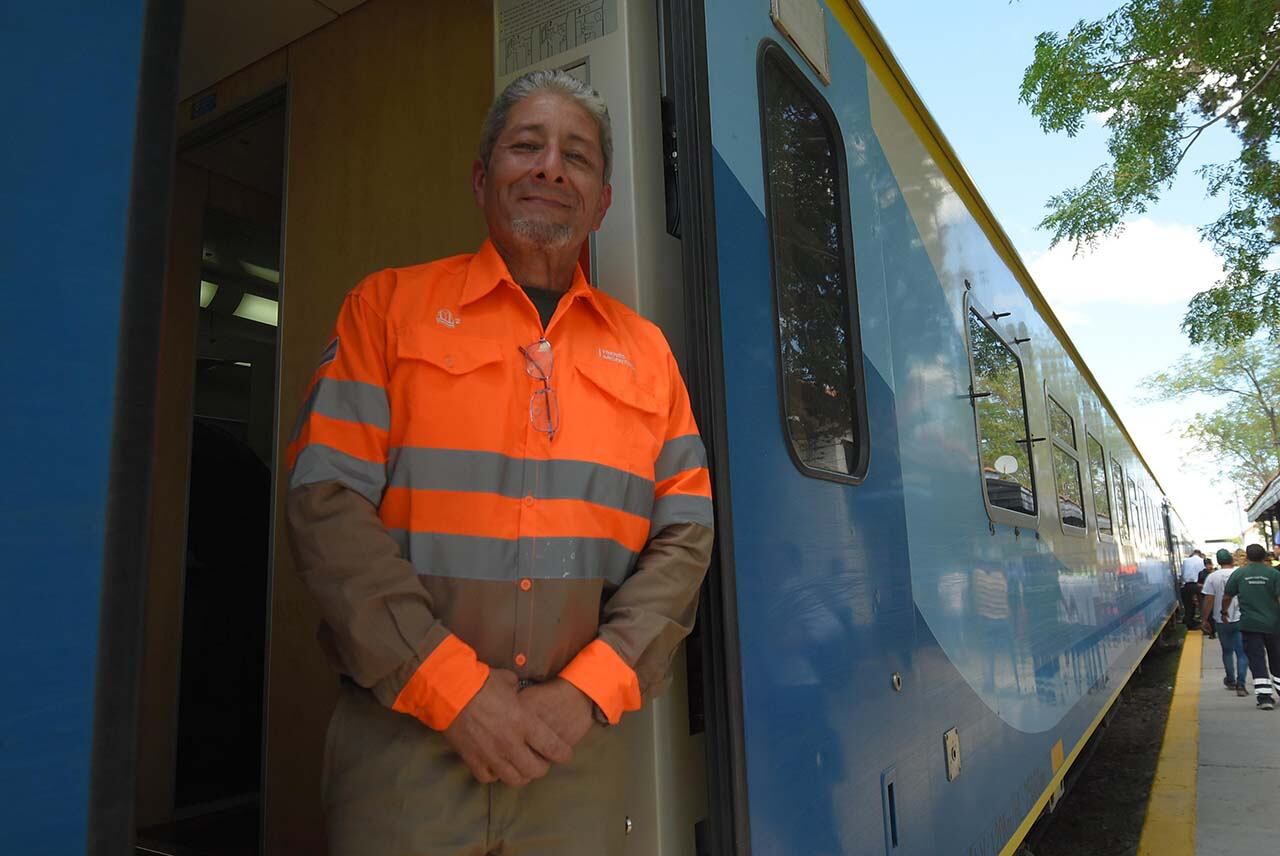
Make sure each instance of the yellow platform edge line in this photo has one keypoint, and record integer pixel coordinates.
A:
(1170, 826)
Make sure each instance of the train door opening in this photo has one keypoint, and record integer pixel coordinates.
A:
(385, 103)
(201, 734)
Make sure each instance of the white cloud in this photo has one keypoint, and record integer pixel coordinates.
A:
(1147, 264)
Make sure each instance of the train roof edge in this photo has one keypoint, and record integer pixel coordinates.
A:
(867, 37)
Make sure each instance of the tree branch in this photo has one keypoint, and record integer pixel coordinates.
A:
(1195, 135)
(1226, 390)
(1116, 66)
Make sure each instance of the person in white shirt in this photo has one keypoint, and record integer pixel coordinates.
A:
(1191, 568)
(1229, 635)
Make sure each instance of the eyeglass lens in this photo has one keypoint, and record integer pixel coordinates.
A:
(544, 411)
(539, 360)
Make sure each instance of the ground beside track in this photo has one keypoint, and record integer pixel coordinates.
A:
(1103, 813)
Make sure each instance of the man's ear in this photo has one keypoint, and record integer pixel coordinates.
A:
(478, 175)
(606, 199)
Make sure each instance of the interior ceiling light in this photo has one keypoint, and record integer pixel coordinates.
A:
(260, 309)
(260, 272)
(207, 292)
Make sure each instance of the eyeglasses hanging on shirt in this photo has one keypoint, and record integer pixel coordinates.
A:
(544, 407)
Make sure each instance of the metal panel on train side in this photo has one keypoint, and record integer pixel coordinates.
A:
(842, 585)
(71, 109)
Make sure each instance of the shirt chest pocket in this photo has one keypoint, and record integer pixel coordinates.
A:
(443, 376)
(621, 409)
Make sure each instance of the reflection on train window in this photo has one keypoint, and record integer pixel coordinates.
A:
(1066, 466)
(1122, 504)
(1146, 515)
(1004, 441)
(1101, 487)
(1151, 519)
(1135, 516)
(1064, 427)
(817, 327)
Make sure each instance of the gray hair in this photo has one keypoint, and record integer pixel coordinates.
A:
(558, 83)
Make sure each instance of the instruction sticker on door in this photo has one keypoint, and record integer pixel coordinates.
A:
(530, 31)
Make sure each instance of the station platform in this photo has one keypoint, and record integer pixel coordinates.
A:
(1215, 784)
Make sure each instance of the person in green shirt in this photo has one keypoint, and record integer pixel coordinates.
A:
(1257, 587)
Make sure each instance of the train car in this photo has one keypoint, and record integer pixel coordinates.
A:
(940, 553)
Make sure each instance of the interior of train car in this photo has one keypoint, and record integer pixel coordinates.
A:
(316, 143)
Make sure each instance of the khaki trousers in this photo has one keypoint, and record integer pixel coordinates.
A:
(393, 787)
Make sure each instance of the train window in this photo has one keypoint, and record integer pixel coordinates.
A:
(808, 212)
(1000, 411)
(1134, 515)
(1064, 427)
(1101, 486)
(1066, 466)
(1122, 504)
(1145, 511)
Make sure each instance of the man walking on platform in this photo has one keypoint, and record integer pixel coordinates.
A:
(1191, 567)
(1233, 655)
(1257, 586)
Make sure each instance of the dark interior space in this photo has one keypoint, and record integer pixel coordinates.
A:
(226, 572)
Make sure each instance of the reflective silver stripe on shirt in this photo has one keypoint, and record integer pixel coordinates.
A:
(319, 463)
(681, 508)
(472, 557)
(491, 472)
(679, 454)
(348, 401)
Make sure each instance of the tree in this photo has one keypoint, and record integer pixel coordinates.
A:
(1163, 72)
(1243, 434)
(1242, 445)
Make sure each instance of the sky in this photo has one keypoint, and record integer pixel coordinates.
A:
(1122, 304)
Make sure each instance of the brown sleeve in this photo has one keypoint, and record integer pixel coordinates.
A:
(378, 618)
(644, 621)
(652, 612)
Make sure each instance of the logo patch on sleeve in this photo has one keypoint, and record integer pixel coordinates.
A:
(330, 352)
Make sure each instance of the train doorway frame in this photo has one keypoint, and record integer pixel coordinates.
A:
(684, 38)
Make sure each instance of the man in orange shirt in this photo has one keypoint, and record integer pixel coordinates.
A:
(500, 500)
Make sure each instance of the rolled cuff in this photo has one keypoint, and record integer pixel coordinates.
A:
(606, 679)
(443, 685)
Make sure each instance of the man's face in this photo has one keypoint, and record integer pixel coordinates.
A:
(544, 186)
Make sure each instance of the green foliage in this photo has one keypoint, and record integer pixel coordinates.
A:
(1244, 433)
(1241, 442)
(1163, 71)
(1002, 425)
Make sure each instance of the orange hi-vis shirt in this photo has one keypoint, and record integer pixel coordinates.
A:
(534, 551)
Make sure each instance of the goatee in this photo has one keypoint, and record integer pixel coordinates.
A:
(543, 234)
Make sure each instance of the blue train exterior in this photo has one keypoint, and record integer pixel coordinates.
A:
(862, 698)
(841, 587)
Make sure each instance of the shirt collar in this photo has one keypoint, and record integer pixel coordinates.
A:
(487, 270)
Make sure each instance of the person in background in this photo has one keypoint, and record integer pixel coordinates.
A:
(1257, 587)
(1206, 616)
(1229, 636)
(1192, 565)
